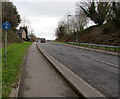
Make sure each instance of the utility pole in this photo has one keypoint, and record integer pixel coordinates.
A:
(5, 54)
(68, 22)
(0, 50)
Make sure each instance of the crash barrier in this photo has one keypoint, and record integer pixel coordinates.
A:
(106, 47)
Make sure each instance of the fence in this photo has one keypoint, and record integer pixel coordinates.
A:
(106, 47)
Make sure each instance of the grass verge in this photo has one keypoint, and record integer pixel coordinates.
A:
(11, 73)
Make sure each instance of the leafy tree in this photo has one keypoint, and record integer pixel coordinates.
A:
(10, 14)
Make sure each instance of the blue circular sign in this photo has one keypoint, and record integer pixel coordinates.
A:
(6, 26)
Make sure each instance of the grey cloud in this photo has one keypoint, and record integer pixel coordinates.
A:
(46, 8)
(35, 11)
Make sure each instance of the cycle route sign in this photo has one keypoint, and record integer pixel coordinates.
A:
(6, 26)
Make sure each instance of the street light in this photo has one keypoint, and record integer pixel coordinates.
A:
(68, 26)
(68, 22)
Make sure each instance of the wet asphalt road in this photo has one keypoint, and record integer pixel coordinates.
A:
(98, 69)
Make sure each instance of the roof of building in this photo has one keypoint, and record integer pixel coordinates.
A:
(20, 31)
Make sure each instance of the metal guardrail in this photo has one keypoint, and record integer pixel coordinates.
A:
(95, 45)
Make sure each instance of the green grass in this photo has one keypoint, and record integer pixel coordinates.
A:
(11, 73)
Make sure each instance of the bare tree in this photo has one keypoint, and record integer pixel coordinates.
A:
(95, 10)
(81, 18)
(61, 29)
(116, 12)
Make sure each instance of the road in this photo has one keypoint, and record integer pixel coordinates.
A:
(40, 79)
(98, 69)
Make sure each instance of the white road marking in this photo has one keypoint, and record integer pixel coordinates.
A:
(111, 64)
(114, 65)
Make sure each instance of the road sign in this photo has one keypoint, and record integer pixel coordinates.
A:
(6, 26)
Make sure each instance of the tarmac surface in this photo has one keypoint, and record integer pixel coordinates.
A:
(40, 79)
(98, 69)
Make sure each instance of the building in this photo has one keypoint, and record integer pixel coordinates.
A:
(22, 34)
(32, 38)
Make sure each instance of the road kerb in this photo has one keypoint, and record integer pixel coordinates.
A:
(76, 82)
(15, 91)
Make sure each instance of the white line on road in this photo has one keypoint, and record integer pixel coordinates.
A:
(114, 65)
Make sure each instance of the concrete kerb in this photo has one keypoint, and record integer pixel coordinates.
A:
(82, 88)
(15, 91)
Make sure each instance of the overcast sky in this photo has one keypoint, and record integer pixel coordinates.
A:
(43, 17)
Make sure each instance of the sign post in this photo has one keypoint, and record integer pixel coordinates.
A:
(6, 26)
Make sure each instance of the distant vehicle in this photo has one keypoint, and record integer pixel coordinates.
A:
(49, 40)
(42, 40)
(37, 40)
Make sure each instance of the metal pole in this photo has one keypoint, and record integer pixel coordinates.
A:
(5, 48)
(76, 29)
(68, 21)
(76, 36)
(67, 25)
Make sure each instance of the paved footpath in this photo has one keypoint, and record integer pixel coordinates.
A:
(39, 78)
